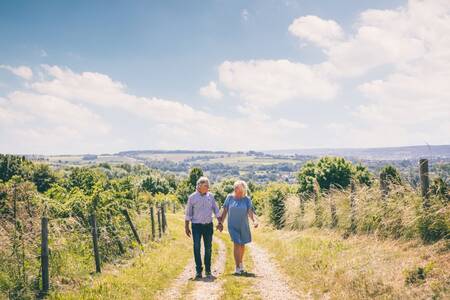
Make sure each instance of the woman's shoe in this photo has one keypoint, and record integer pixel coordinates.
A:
(237, 271)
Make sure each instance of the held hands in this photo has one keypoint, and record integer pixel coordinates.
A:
(188, 231)
(220, 227)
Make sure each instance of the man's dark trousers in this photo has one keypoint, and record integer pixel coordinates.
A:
(206, 231)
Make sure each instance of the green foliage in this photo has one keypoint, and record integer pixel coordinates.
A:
(306, 178)
(188, 186)
(43, 177)
(390, 175)
(222, 189)
(329, 172)
(13, 165)
(434, 220)
(333, 172)
(362, 175)
(84, 179)
(194, 175)
(439, 188)
(276, 196)
(156, 184)
(417, 275)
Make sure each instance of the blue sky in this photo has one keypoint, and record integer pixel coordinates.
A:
(105, 76)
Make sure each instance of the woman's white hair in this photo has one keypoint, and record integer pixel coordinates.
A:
(242, 184)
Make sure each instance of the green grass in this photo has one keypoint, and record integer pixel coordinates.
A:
(143, 276)
(324, 264)
(237, 287)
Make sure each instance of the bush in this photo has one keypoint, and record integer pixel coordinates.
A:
(434, 221)
(276, 196)
(390, 175)
(330, 172)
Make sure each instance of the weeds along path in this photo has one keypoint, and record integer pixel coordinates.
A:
(270, 282)
(199, 289)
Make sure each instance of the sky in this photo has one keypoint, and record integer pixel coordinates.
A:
(108, 76)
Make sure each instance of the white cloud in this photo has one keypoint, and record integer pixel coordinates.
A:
(244, 15)
(270, 82)
(211, 91)
(21, 71)
(324, 33)
(68, 108)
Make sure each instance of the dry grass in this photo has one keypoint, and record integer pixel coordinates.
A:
(141, 277)
(324, 264)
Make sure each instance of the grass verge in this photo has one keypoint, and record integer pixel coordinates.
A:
(323, 264)
(143, 276)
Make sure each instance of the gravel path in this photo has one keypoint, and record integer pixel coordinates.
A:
(211, 288)
(204, 288)
(270, 282)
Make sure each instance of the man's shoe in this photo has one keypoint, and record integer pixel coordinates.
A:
(198, 275)
(208, 274)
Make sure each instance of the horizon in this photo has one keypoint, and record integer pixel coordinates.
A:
(215, 151)
(223, 75)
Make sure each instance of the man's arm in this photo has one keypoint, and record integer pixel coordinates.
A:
(216, 210)
(188, 217)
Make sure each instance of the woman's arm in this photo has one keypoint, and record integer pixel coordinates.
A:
(252, 216)
(224, 214)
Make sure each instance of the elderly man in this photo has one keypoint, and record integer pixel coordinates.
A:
(200, 207)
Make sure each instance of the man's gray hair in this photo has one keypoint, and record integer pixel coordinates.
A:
(202, 180)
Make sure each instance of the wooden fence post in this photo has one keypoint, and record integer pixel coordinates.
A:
(424, 180)
(318, 213)
(383, 188)
(44, 256)
(95, 242)
(174, 207)
(159, 222)
(334, 218)
(163, 217)
(133, 228)
(152, 221)
(352, 207)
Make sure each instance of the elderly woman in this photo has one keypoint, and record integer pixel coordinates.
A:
(238, 206)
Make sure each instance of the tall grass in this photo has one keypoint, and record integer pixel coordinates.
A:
(398, 215)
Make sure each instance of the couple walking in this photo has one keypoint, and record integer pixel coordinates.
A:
(201, 206)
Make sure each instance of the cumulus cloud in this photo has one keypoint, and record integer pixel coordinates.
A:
(69, 108)
(323, 33)
(21, 71)
(270, 82)
(211, 91)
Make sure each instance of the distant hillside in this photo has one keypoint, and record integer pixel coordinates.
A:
(388, 153)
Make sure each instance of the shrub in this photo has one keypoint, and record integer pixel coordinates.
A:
(276, 196)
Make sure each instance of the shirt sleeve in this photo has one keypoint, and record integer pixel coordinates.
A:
(215, 207)
(189, 210)
(226, 202)
(249, 204)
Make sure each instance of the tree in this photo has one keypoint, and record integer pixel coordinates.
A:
(362, 175)
(328, 171)
(222, 189)
(43, 177)
(306, 178)
(194, 175)
(83, 178)
(156, 184)
(11, 165)
(276, 196)
(188, 186)
(390, 175)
